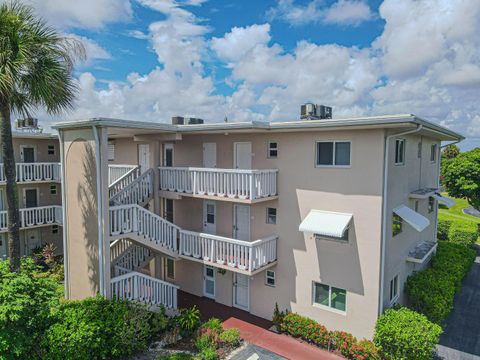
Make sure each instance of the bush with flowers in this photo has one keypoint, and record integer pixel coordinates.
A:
(338, 341)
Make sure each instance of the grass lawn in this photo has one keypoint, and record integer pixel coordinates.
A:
(455, 212)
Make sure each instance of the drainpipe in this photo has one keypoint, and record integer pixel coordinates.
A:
(101, 260)
(64, 212)
(384, 210)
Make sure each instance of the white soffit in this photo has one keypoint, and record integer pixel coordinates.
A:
(444, 200)
(417, 221)
(326, 223)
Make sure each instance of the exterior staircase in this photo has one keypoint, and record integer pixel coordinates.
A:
(137, 233)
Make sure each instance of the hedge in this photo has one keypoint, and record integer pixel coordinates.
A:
(431, 291)
(99, 328)
(403, 334)
(340, 341)
(457, 231)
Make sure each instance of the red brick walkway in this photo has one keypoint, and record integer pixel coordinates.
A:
(277, 343)
(254, 329)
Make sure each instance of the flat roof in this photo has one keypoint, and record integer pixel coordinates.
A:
(255, 126)
(32, 135)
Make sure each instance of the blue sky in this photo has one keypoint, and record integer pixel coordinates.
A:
(259, 60)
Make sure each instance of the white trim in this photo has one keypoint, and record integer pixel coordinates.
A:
(274, 277)
(397, 290)
(333, 154)
(329, 307)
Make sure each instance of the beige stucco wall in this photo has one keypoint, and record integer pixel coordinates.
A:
(301, 259)
(416, 173)
(81, 212)
(41, 149)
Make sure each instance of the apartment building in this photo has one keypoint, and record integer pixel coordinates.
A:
(326, 217)
(38, 173)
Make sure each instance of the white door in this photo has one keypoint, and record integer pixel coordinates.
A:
(241, 222)
(209, 281)
(33, 241)
(209, 217)
(243, 155)
(241, 289)
(144, 157)
(209, 155)
(3, 246)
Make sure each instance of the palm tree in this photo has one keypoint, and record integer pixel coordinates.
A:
(36, 65)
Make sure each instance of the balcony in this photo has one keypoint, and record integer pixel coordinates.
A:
(245, 186)
(34, 172)
(230, 254)
(34, 217)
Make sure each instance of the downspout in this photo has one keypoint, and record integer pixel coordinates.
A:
(101, 260)
(384, 210)
(64, 213)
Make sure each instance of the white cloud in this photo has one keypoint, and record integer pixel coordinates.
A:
(82, 14)
(93, 50)
(235, 44)
(342, 12)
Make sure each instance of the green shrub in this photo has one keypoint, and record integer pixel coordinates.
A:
(203, 342)
(213, 324)
(463, 232)
(403, 334)
(431, 292)
(98, 328)
(25, 302)
(231, 337)
(188, 320)
(208, 354)
(443, 229)
(341, 341)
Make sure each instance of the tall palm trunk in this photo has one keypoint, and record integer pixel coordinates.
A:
(11, 186)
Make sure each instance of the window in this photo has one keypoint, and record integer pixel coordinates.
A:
(329, 296)
(168, 210)
(419, 150)
(270, 278)
(333, 153)
(111, 150)
(431, 204)
(399, 152)
(51, 150)
(271, 215)
(53, 189)
(170, 268)
(416, 205)
(394, 289)
(433, 152)
(54, 229)
(272, 149)
(397, 224)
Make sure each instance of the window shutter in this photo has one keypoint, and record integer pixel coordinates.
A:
(111, 150)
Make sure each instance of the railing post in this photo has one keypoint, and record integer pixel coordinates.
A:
(250, 258)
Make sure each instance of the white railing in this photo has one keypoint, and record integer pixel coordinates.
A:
(123, 181)
(31, 172)
(240, 254)
(139, 191)
(37, 216)
(115, 172)
(231, 183)
(125, 254)
(133, 219)
(145, 289)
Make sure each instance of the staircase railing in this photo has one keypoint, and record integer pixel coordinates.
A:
(123, 181)
(126, 254)
(115, 172)
(134, 219)
(139, 191)
(145, 289)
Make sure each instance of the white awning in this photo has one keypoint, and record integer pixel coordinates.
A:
(444, 200)
(417, 221)
(326, 223)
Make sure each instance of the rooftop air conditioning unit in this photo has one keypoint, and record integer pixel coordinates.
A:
(311, 111)
(30, 122)
(20, 123)
(307, 111)
(178, 120)
(195, 121)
